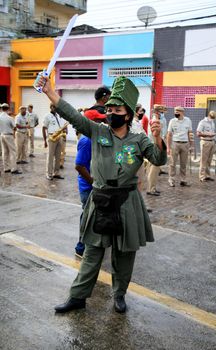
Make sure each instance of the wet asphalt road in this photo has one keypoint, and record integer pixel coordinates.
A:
(180, 265)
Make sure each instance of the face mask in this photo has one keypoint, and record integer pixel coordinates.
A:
(177, 115)
(140, 115)
(116, 120)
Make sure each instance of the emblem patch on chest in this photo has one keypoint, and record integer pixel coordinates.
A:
(126, 156)
(104, 141)
(119, 157)
(128, 151)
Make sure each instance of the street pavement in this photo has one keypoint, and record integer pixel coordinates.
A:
(171, 300)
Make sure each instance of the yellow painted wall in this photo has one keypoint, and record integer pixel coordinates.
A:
(190, 78)
(34, 49)
(36, 54)
(201, 101)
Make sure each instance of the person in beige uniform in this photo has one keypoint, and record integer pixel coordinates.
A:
(33, 122)
(153, 170)
(7, 129)
(52, 124)
(137, 128)
(63, 146)
(22, 127)
(206, 132)
(178, 144)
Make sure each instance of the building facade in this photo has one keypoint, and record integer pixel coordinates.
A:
(38, 17)
(29, 18)
(185, 69)
(89, 61)
(36, 54)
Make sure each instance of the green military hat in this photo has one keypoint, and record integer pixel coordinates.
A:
(124, 92)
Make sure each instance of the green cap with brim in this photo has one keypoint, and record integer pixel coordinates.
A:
(124, 92)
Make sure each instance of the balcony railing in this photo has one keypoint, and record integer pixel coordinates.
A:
(80, 5)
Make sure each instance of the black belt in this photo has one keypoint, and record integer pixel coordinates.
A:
(6, 134)
(115, 190)
(181, 141)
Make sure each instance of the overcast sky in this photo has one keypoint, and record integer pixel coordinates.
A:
(123, 13)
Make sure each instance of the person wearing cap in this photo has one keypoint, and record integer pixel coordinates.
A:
(52, 123)
(178, 145)
(7, 131)
(153, 170)
(115, 214)
(206, 133)
(33, 122)
(137, 127)
(83, 156)
(22, 127)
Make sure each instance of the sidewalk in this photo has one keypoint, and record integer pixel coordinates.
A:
(190, 209)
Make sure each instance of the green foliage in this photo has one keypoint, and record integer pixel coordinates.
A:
(13, 57)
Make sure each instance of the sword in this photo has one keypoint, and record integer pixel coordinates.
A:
(46, 72)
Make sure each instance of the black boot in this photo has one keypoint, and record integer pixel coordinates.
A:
(71, 304)
(119, 304)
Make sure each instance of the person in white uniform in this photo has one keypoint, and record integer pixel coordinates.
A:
(7, 130)
(33, 122)
(178, 145)
(52, 124)
(22, 127)
(206, 133)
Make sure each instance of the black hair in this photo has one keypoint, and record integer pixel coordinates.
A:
(137, 108)
(102, 91)
(131, 114)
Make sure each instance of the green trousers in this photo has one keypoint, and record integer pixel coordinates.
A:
(122, 268)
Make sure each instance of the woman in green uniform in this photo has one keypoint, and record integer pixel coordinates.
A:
(115, 214)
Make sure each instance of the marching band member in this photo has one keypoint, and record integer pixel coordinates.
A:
(22, 127)
(51, 125)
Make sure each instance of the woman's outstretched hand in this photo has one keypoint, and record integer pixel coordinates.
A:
(155, 126)
(45, 84)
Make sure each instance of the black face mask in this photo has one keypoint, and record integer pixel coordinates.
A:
(140, 115)
(177, 115)
(116, 120)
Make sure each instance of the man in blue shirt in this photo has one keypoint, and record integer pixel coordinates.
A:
(83, 157)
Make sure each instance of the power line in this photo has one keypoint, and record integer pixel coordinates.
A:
(160, 16)
(165, 15)
(116, 5)
(162, 23)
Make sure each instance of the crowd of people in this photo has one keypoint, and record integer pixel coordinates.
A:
(117, 144)
(18, 136)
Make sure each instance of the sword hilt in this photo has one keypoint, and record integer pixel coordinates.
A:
(40, 74)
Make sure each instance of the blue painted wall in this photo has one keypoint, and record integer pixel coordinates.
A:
(128, 44)
(127, 63)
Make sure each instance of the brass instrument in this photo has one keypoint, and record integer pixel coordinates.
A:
(59, 133)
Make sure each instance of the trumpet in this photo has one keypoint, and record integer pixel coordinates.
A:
(59, 133)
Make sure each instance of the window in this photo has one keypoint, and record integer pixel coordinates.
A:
(28, 74)
(78, 73)
(131, 72)
(211, 104)
(3, 6)
(48, 20)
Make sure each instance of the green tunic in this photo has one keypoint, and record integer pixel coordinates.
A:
(119, 160)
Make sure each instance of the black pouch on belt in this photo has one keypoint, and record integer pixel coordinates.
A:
(107, 210)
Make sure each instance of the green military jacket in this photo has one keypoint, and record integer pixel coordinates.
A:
(117, 160)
